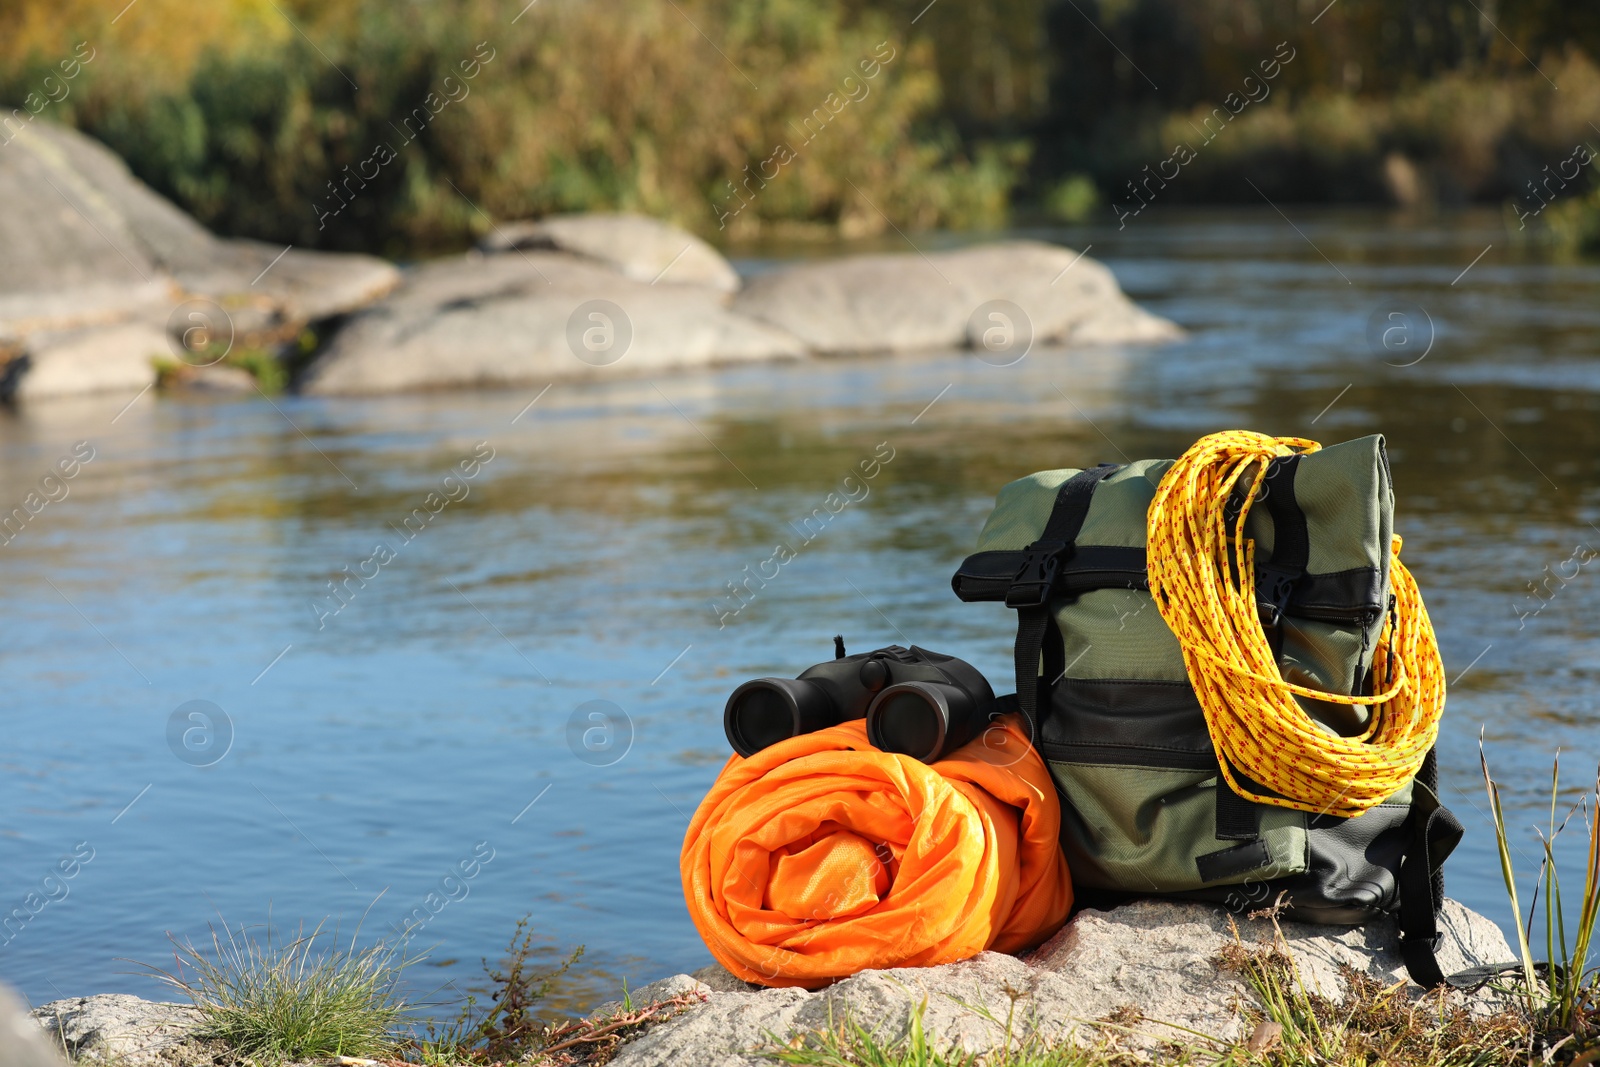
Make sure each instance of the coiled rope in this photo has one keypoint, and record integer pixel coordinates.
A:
(1202, 576)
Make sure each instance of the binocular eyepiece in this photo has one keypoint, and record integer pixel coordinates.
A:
(917, 703)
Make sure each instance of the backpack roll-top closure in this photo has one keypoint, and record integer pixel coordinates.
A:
(991, 575)
(1337, 573)
(1346, 596)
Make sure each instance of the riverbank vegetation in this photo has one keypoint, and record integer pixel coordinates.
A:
(404, 127)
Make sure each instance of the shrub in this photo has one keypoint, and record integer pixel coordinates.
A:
(1471, 136)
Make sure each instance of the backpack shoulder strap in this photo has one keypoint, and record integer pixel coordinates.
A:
(1031, 590)
(1277, 578)
(1434, 835)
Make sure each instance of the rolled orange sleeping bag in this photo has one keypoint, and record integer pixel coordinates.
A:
(822, 856)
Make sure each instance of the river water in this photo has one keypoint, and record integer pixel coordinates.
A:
(441, 720)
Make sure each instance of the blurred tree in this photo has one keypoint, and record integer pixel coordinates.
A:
(992, 58)
(356, 123)
(1466, 87)
(735, 117)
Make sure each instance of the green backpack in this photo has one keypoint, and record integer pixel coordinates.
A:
(1102, 684)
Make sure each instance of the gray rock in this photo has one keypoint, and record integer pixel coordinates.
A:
(128, 1031)
(94, 359)
(721, 980)
(1158, 957)
(641, 248)
(88, 246)
(659, 990)
(216, 379)
(909, 302)
(84, 238)
(22, 1043)
(509, 319)
(81, 235)
(298, 286)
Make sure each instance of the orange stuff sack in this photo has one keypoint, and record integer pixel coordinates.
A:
(822, 856)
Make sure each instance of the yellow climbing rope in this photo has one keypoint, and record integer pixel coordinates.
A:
(1208, 600)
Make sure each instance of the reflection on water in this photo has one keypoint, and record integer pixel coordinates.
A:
(418, 713)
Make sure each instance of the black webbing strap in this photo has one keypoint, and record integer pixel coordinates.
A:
(1031, 590)
(1291, 543)
(1238, 819)
(1291, 548)
(1434, 835)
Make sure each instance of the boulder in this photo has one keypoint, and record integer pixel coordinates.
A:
(480, 320)
(88, 245)
(123, 1030)
(297, 285)
(219, 378)
(81, 234)
(84, 237)
(905, 302)
(94, 359)
(640, 248)
(1158, 957)
(22, 1044)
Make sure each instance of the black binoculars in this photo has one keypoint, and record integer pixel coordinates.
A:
(917, 703)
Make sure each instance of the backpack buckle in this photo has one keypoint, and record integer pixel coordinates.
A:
(1274, 587)
(1036, 578)
(1433, 941)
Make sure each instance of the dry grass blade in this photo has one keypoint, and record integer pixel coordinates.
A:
(610, 1031)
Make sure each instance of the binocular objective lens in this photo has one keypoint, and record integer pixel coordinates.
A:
(769, 710)
(759, 717)
(908, 721)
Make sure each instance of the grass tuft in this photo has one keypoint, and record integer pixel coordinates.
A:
(275, 1000)
(1372, 1023)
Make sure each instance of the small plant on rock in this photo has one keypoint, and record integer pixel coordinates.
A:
(273, 999)
(508, 1030)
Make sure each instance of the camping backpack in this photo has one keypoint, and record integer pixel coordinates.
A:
(1102, 681)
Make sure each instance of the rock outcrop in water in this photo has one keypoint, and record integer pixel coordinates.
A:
(1157, 957)
(100, 275)
(905, 302)
(521, 316)
(640, 248)
(534, 317)
(95, 263)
